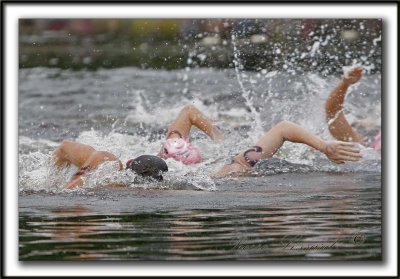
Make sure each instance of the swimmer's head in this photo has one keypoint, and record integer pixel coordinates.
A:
(181, 150)
(148, 166)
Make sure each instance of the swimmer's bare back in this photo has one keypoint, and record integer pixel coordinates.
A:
(85, 157)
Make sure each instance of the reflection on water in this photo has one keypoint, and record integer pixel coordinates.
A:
(335, 221)
(201, 235)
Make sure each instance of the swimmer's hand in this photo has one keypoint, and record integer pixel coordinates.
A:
(340, 151)
(217, 135)
(352, 76)
(75, 182)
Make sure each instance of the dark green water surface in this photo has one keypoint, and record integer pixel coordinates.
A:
(317, 216)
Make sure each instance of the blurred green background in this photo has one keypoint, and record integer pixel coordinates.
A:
(296, 45)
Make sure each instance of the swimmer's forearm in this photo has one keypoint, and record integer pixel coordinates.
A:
(75, 182)
(271, 141)
(295, 133)
(335, 101)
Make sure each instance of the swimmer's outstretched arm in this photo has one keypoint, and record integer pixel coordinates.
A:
(337, 122)
(270, 142)
(85, 157)
(189, 116)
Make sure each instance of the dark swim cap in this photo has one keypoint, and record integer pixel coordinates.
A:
(148, 166)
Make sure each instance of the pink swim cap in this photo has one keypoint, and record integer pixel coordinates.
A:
(377, 142)
(181, 150)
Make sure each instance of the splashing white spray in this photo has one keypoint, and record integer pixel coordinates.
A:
(256, 126)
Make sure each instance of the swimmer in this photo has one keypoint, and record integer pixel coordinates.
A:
(336, 151)
(178, 147)
(339, 127)
(177, 144)
(86, 158)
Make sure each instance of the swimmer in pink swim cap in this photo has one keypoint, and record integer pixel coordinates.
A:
(181, 150)
(339, 127)
(177, 145)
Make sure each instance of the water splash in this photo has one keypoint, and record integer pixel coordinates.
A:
(38, 173)
(152, 106)
(256, 125)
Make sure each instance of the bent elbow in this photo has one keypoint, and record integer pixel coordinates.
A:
(282, 128)
(189, 108)
(284, 124)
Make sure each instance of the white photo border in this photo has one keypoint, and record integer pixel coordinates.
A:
(14, 10)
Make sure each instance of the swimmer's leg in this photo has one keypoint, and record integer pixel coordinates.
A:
(337, 122)
(189, 116)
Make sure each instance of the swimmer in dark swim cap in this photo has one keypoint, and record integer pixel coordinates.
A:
(148, 166)
(86, 158)
(177, 146)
